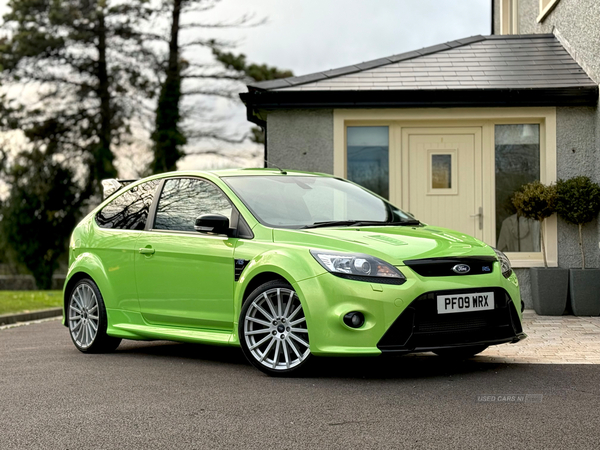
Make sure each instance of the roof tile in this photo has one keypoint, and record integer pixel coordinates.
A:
(477, 62)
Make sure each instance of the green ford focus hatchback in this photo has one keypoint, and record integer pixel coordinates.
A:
(286, 265)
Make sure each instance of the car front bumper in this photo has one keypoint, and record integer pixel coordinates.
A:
(403, 318)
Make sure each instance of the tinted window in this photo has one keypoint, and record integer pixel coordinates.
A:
(183, 200)
(517, 163)
(129, 210)
(368, 158)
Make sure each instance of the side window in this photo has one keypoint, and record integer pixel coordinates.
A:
(184, 199)
(129, 210)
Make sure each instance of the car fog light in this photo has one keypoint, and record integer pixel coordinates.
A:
(354, 319)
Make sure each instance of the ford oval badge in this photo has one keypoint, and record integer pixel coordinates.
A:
(461, 269)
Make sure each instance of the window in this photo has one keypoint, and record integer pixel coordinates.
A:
(296, 201)
(509, 16)
(517, 163)
(441, 171)
(368, 158)
(183, 200)
(546, 7)
(129, 210)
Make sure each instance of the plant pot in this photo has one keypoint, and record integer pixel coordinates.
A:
(549, 288)
(584, 291)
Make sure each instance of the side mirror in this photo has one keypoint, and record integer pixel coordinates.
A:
(212, 223)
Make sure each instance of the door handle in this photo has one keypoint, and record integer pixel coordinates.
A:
(147, 251)
(480, 215)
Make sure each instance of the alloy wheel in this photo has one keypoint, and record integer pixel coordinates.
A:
(275, 330)
(84, 316)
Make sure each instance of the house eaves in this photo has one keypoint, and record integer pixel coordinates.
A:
(523, 70)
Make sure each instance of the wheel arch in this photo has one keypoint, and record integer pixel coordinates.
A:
(260, 279)
(89, 266)
(283, 263)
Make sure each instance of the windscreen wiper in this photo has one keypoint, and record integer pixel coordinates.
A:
(359, 223)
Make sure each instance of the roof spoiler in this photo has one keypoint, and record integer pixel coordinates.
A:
(112, 185)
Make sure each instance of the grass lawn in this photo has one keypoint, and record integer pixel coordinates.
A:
(22, 301)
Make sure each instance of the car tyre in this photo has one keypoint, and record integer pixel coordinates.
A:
(460, 353)
(272, 330)
(86, 319)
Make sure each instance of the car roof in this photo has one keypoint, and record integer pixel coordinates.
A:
(244, 172)
(269, 171)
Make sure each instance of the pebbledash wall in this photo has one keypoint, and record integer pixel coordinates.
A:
(576, 23)
(301, 139)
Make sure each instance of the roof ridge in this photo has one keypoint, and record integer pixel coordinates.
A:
(372, 64)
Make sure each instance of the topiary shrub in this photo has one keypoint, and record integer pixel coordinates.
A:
(536, 201)
(578, 203)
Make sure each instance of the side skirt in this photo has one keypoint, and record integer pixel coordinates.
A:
(131, 325)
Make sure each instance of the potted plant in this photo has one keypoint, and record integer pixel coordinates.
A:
(549, 286)
(578, 203)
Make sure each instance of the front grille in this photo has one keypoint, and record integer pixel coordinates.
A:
(443, 267)
(420, 327)
(450, 324)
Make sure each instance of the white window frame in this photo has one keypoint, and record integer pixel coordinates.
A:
(546, 7)
(486, 118)
(453, 190)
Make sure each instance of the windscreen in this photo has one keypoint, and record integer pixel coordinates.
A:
(288, 201)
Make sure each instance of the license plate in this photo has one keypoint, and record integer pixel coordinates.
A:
(465, 302)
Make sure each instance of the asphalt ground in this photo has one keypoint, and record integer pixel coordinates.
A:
(165, 395)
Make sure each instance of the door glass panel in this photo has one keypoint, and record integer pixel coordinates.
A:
(517, 163)
(368, 158)
(129, 210)
(183, 200)
(441, 171)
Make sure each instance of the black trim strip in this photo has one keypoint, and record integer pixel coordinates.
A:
(240, 265)
(378, 280)
(449, 98)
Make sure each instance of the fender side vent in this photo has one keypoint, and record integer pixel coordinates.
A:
(240, 265)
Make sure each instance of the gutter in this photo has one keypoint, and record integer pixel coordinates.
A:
(578, 95)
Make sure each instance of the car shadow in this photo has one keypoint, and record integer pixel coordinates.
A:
(382, 367)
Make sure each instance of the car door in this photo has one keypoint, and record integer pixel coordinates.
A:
(119, 225)
(184, 277)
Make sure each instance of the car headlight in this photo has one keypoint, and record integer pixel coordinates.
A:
(504, 263)
(359, 267)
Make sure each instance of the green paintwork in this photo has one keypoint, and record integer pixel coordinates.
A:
(185, 291)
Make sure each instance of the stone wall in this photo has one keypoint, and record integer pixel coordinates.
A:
(301, 140)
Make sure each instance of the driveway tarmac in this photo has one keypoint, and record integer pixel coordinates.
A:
(163, 395)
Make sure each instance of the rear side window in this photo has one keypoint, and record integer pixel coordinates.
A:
(129, 211)
(183, 200)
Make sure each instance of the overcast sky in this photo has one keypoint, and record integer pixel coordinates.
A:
(313, 35)
(307, 36)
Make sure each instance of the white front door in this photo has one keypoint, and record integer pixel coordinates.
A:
(442, 177)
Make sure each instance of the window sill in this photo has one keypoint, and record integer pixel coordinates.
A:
(524, 261)
(547, 10)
